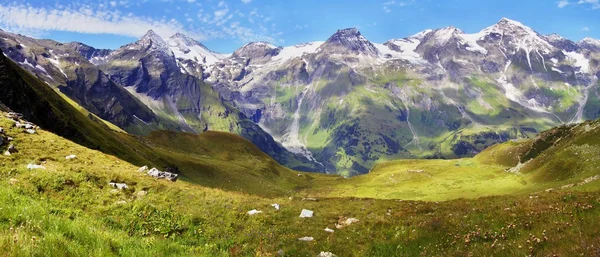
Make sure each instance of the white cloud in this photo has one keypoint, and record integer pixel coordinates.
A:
(219, 23)
(220, 13)
(594, 3)
(562, 3)
(246, 1)
(22, 18)
(585, 29)
(387, 6)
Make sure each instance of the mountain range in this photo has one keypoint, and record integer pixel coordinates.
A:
(337, 106)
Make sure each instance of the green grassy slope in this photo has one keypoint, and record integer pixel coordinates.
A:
(561, 157)
(251, 170)
(69, 209)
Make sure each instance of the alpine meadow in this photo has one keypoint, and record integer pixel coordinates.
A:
(280, 128)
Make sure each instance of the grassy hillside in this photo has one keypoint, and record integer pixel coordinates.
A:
(564, 156)
(69, 209)
(209, 164)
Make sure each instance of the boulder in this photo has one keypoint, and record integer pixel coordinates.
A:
(30, 131)
(328, 230)
(306, 213)
(12, 149)
(306, 238)
(9, 139)
(35, 167)
(14, 115)
(326, 254)
(69, 157)
(143, 169)
(253, 212)
(155, 173)
(119, 186)
(344, 223)
(276, 206)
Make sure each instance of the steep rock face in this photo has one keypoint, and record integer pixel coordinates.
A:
(96, 56)
(68, 71)
(350, 42)
(150, 69)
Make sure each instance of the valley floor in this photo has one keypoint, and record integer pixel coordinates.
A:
(69, 209)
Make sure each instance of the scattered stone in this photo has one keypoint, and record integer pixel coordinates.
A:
(1, 131)
(29, 126)
(328, 230)
(9, 139)
(326, 254)
(549, 190)
(306, 213)
(155, 173)
(35, 166)
(14, 115)
(346, 223)
(276, 206)
(567, 186)
(306, 238)
(309, 199)
(19, 124)
(119, 186)
(143, 169)
(30, 131)
(121, 202)
(252, 212)
(12, 181)
(72, 156)
(142, 193)
(280, 252)
(12, 149)
(416, 171)
(588, 180)
(7, 153)
(299, 175)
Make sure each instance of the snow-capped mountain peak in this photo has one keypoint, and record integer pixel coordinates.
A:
(187, 48)
(153, 41)
(514, 34)
(349, 40)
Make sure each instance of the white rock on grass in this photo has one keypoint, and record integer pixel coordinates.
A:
(253, 212)
(306, 238)
(346, 223)
(326, 254)
(72, 156)
(143, 169)
(35, 166)
(276, 206)
(30, 131)
(328, 230)
(119, 186)
(306, 213)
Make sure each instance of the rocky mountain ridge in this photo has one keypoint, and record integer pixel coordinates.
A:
(347, 102)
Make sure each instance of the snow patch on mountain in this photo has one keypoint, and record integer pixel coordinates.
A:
(291, 52)
(187, 48)
(580, 61)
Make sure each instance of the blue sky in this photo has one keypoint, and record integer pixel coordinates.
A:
(225, 25)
